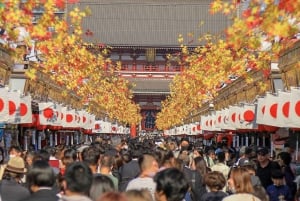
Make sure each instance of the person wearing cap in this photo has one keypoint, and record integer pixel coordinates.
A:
(244, 153)
(251, 168)
(11, 188)
(265, 166)
(279, 190)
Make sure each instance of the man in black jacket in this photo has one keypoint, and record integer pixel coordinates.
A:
(265, 167)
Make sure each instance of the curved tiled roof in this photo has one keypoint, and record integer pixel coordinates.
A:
(150, 22)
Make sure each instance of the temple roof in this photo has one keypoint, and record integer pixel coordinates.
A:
(152, 23)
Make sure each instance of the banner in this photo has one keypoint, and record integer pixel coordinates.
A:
(14, 107)
(4, 112)
(294, 113)
(25, 110)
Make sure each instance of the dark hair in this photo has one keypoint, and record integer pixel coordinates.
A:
(78, 177)
(70, 155)
(126, 157)
(100, 185)
(107, 161)
(277, 174)
(40, 174)
(221, 156)
(172, 183)
(16, 148)
(2, 153)
(90, 155)
(200, 165)
(285, 157)
(42, 155)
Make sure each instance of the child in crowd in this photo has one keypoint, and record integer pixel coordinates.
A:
(279, 190)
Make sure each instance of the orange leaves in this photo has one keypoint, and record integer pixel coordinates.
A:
(65, 58)
(252, 42)
(288, 6)
(60, 4)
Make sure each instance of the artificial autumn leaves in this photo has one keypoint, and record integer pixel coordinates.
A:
(65, 56)
(255, 38)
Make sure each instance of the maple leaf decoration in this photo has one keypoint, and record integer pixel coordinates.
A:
(287, 5)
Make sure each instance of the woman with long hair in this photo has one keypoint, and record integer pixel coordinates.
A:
(240, 185)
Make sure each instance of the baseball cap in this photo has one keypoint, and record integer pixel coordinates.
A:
(246, 162)
(262, 151)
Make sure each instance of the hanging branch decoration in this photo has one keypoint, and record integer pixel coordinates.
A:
(58, 40)
(254, 39)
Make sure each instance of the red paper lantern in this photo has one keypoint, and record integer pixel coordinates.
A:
(219, 119)
(233, 117)
(23, 109)
(12, 107)
(273, 110)
(1, 104)
(97, 126)
(297, 108)
(286, 109)
(249, 115)
(48, 113)
(69, 118)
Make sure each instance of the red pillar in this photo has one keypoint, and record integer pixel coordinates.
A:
(133, 131)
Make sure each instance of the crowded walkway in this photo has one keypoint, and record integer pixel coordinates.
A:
(143, 169)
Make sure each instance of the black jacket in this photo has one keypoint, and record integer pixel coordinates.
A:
(127, 172)
(43, 195)
(196, 183)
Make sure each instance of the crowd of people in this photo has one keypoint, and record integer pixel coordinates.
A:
(147, 169)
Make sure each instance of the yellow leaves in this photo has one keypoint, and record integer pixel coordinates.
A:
(212, 63)
(67, 60)
(180, 39)
(280, 29)
(216, 6)
(31, 73)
